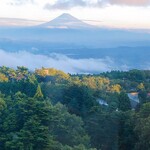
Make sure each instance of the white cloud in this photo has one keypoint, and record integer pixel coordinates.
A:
(58, 61)
(73, 3)
(130, 2)
(68, 4)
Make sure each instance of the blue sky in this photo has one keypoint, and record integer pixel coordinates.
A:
(110, 13)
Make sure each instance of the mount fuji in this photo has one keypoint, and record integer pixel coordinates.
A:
(66, 21)
(75, 39)
(67, 32)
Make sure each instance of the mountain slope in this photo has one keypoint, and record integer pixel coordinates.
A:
(66, 21)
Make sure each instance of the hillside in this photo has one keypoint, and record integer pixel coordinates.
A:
(38, 108)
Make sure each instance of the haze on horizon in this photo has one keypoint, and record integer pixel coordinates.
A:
(108, 13)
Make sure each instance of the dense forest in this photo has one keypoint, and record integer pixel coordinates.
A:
(50, 110)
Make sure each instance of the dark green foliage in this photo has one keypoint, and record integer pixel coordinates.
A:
(27, 124)
(2, 104)
(124, 102)
(103, 129)
(79, 99)
(51, 110)
(143, 97)
(32, 124)
(67, 128)
(142, 128)
(126, 134)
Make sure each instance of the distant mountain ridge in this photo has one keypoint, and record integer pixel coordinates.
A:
(66, 21)
(68, 30)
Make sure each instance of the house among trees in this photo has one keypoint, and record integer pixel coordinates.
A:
(102, 102)
(134, 99)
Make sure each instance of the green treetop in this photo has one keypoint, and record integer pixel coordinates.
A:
(38, 93)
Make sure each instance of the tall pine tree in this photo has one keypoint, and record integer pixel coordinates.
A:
(124, 102)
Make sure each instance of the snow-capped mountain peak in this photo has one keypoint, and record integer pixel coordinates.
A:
(66, 21)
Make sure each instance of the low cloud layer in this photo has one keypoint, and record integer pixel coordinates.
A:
(18, 22)
(68, 4)
(58, 61)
